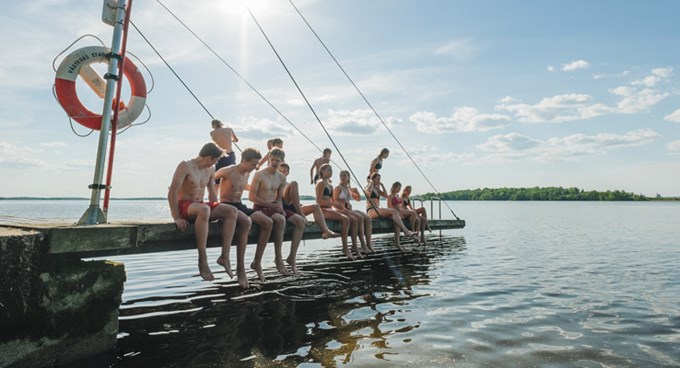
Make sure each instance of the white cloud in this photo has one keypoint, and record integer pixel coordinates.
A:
(555, 109)
(635, 100)
(551, 68)
(574, 65)
(459, 49)
(514, 146)
(658, 75)
(464, 119)
(53, 144)
(356, 122)
(262, 129)
(19, 157)
(674, 116)
(618, 75)
(673, 148)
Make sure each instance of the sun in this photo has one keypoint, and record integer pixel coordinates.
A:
(240, 7)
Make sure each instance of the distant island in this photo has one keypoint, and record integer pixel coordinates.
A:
(541, 194)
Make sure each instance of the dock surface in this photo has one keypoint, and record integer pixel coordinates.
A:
(157, 236)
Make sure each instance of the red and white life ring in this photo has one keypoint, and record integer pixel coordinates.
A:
(65, 85)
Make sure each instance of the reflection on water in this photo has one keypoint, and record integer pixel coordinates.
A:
(322, 317)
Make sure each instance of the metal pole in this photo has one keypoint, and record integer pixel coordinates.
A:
(114, 126)
(94, 215)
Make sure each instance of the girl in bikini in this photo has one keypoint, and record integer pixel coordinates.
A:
(342, 195)
(376, 163)
(422, 213)
(324, 193)
(375, 190)
(396, 202)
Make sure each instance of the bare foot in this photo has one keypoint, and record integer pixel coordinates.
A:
(242, 278)
(258, 269)
(293, 265)
(415, 238)
(204, 270)
(281, 267)
(367, 250)
(358, 252)
(224, 262)
(329, 234)
(401, 249)
(348, 254)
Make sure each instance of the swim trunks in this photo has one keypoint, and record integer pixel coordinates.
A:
(226, 160)
(271, 211)
(184, 204)
(241, 207)
(289, 207)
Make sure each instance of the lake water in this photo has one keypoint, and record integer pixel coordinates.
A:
(525, 284)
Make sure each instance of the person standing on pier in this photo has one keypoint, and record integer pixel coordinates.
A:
(223, 137)
(185, 198)
(376, 163)
(233, 181)
(316, 165)
(266, 193)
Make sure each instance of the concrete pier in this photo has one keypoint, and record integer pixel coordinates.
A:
(54, 309)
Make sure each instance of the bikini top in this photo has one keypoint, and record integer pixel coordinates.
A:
(374, 194)
(378, 166)
(327, 192)
(396, 200)
(344, 193)
(406, 201)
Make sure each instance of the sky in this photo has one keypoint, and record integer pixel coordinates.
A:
(485, 93)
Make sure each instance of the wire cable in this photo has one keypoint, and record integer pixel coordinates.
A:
(271, 45)
(368, 103)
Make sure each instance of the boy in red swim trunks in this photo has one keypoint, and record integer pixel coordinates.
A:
(185, 197)
(266, 193)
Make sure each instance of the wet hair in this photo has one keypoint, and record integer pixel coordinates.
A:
(250, 154)
(395, 185)
(210, 150)
(345, 172)
(384, 151)
(277, 141)
(327, 150)
(372, 176)
(216, 123)
(277, 152)
(270, 144)
(408, 187)
(324, 167)
(285, 165)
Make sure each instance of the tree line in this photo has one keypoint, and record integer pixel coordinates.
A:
(535, 194)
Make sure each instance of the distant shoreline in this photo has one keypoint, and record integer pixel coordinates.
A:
(310, 198)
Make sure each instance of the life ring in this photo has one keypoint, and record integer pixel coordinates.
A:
(65, 85)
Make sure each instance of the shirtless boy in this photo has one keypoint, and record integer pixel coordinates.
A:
(291, 201)
(235, 179)
(272, 143)
(314, 170)
(223, 137)
(185, 197)
(266, 193)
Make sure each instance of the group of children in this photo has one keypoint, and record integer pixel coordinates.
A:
(276, 203)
